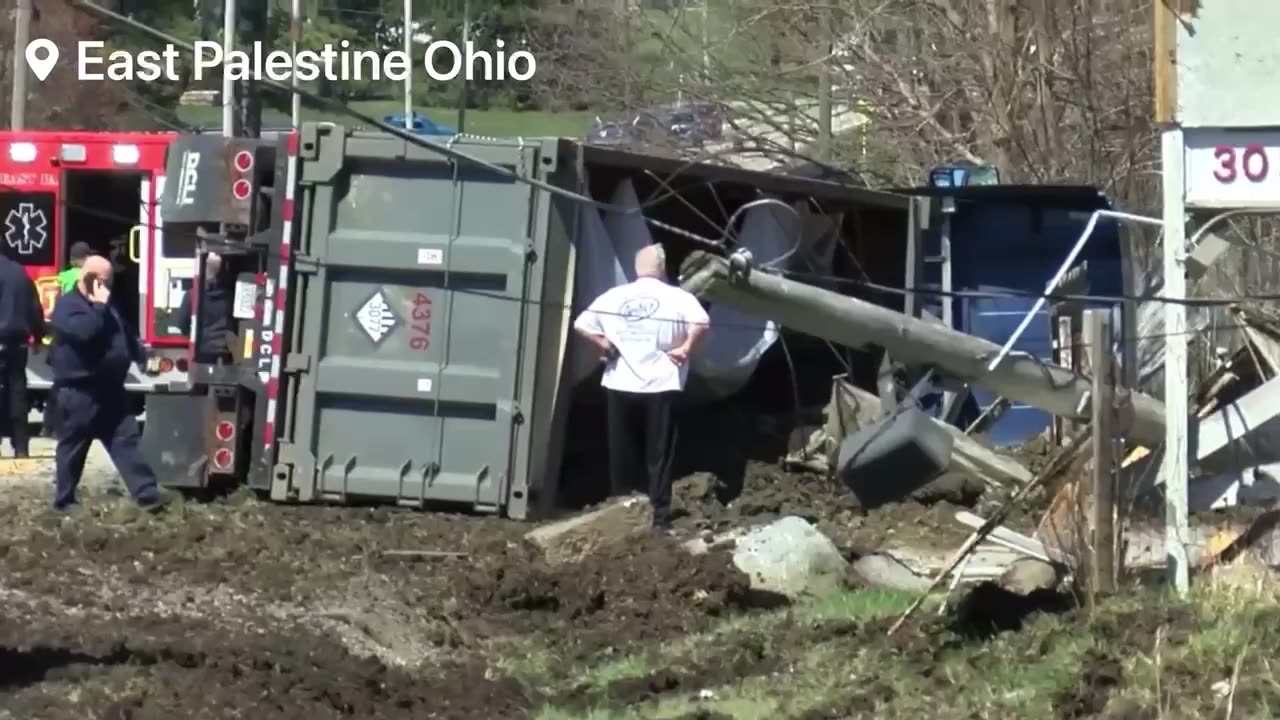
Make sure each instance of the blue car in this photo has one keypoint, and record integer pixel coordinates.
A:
(420, 125)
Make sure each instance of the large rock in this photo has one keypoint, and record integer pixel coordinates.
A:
(790, 557)
(881, 570)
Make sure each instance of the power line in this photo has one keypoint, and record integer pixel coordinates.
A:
(1003, 294)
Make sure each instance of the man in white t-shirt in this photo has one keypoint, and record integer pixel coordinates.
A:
(645, 332)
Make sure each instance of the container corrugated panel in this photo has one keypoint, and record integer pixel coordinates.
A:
(417, 327)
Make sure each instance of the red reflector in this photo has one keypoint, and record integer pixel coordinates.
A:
(222, 459)
(225, 431)
(244, 160)
(166, 365)
(240, 189)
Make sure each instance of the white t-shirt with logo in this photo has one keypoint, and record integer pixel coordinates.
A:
(643, 320)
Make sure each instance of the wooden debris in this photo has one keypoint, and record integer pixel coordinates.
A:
(423, 554)
(1050, 470)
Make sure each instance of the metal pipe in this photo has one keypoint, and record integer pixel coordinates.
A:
(1062, 271)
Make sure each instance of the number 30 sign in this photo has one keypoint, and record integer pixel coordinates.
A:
(1233, 169)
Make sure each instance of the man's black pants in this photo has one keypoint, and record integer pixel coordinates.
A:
(642, 443)
(91, 413)
(13, 374)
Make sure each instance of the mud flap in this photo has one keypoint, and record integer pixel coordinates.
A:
(173, 441)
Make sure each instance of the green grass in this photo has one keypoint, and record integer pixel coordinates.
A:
(495, 123)
(1036, 672)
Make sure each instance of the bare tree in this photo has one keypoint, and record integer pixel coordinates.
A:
(1048, 91)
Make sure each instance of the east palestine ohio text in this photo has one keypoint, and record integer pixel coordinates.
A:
(443, 60)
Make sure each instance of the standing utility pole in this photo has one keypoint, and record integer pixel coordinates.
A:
(1174, 471)
(228, 85)
(706, 44)
(295, 38)
(462, 91)
(824, 94)
(408, 76)
(21, 36)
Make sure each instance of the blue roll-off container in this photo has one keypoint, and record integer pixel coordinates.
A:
(1013, 238)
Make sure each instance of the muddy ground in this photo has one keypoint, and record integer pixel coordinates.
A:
(239, 608)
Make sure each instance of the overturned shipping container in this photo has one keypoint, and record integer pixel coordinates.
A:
(418, 307)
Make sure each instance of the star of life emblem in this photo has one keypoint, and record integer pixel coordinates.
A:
(25, 228)
(376, 318)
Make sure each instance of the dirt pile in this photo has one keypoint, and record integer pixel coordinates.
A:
(767, 493)
(617, 597)
(157, 669)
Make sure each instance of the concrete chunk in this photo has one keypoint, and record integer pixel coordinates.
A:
(573, 538)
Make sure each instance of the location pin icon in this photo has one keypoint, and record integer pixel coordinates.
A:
(42, 55)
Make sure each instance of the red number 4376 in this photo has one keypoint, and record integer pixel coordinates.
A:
(420, 327)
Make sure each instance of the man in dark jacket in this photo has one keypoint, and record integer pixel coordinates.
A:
(215, 315)
(92, 351)
(21, 321)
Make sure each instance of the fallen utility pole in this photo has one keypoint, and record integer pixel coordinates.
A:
(856, 323)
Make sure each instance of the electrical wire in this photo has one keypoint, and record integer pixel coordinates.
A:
(925, 291)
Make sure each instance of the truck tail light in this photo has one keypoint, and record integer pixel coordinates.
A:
(225, 431)
(222, 458)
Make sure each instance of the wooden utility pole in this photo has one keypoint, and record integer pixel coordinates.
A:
(825, 149)
(1176, 440)
(856, 323)
(1101, 552)
(21, 36)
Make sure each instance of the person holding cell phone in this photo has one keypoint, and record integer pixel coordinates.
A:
(92, 351)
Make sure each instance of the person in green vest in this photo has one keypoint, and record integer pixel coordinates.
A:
(68, 278)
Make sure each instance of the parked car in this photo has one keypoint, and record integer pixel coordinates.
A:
(711, 115)
(642, 127)
(606, 133)
(686, 126)
(420, 125)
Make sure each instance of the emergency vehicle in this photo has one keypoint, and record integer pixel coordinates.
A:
(103, 188)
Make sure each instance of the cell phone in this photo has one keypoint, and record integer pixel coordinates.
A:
(91, 282)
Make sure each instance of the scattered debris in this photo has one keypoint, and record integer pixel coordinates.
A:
(883, 570)
(1027, 575)
(852, 409)
(894, 457)
(991, 524)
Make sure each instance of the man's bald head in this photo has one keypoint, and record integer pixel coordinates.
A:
(98, 266)
(651, 261)
(212, 265)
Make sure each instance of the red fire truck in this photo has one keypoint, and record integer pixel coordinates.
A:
(103, 188)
